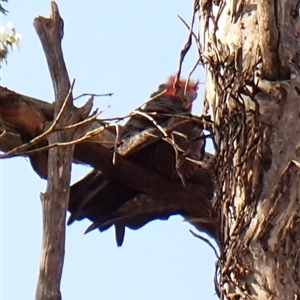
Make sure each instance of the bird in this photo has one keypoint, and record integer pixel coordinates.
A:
(106, 201)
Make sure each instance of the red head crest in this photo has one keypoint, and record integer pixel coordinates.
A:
(186, 89)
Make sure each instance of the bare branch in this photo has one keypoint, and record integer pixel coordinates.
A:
(206, 241)
(188, 44)
(55, 200)
(93, 95)
(22, 148)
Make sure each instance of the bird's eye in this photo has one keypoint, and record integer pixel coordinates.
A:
(185, 103)
(179, 91)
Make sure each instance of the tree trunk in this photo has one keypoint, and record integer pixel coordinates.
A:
(251, 53)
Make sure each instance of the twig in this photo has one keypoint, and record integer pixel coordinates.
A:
(188, 44)
(21, 149)
(150, 99)
(2, 134)
(116, 142)
(188, 27)
(147, 137)
(84, 122)
(93, 95)
(206, 241)
(147, 116)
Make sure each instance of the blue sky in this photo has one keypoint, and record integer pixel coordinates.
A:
(128, 48)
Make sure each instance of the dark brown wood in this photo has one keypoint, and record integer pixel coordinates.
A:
(24, 118)
(96, 151)
(9, 139)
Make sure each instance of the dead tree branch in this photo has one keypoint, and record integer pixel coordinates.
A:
(55, 199)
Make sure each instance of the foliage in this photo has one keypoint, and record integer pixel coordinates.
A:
(9, 37)
(2, 9)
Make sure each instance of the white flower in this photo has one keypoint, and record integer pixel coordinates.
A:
(10, 25)
(9, 40)
(3, 36)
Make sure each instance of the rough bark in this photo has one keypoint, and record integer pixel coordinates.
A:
(251, 53)
(251, 50)
(55, 199)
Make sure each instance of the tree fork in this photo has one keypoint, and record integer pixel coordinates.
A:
(55, 199)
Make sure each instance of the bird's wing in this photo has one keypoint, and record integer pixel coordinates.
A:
(96, 196)
(136, 213)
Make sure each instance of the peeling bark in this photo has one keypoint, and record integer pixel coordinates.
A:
(251, 52)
